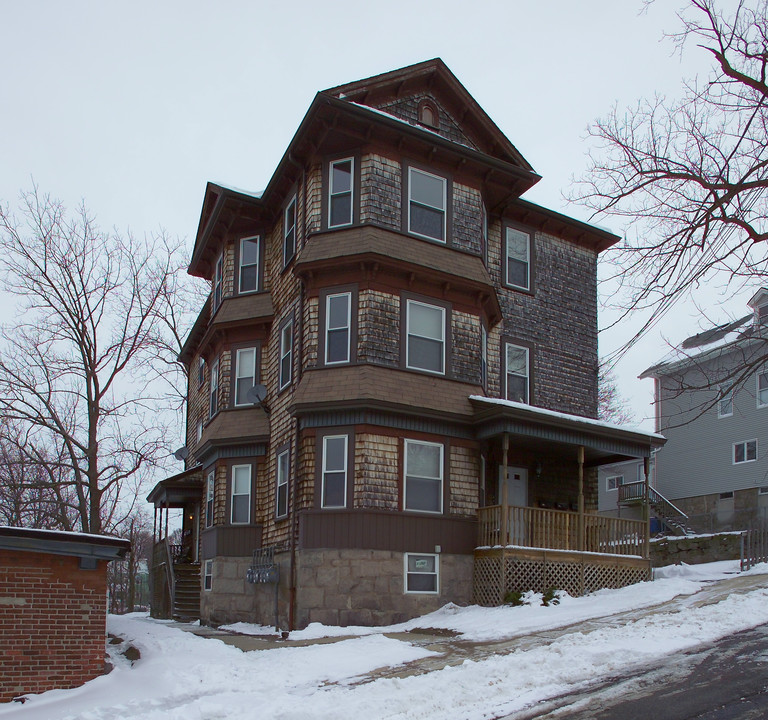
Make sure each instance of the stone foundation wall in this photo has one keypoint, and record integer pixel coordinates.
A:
(335, 587)
(366, 587)
(695, 549)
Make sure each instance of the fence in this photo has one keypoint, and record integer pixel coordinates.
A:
(754, 547)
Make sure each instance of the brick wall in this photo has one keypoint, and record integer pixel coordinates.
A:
(52, 622)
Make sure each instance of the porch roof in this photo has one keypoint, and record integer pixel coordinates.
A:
(178, 490)
(603, 442)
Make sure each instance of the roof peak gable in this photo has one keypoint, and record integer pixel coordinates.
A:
(433, 80)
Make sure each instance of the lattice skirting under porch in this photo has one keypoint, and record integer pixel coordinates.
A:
(498, 571)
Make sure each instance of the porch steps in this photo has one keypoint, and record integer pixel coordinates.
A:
(669, 514)
(186, 600)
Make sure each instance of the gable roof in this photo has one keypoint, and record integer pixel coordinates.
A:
(435, 77)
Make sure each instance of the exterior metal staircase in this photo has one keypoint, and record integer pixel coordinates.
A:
(668, 513)
(186, 596)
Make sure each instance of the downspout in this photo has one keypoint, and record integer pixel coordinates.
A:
(297, 434)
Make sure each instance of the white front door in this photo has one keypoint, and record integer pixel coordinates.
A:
(517, 496)
(517, 486)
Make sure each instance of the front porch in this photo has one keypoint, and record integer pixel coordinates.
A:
(538, 527)
(526, 548)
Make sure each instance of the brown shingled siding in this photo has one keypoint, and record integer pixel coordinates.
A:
(463, 480)
(377, 475)
(380, 201)
(379, 328)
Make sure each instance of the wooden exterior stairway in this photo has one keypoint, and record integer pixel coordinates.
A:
(186, 596)
(668, 513)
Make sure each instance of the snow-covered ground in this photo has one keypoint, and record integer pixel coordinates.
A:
(181, 676)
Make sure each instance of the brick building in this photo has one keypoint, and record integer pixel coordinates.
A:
(53, 608)
(391, 332)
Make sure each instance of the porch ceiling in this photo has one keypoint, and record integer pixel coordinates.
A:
(178, 490)
(542, 429)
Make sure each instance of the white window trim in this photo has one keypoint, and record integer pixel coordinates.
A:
(213, 390)
(280, 482)
(527, 375)
(608, 479)
(324, 470)
(286, 229)
(483, 355)
(441, 477)
(444, 209)
(726, 396)
(331, 193)
(757, 389)
(208, 576)
(257, 240)
(328, 328)
(286, 331)
(198, 431)
(762, 490)
(436, 591)
(200, 371)
(210, 497)
(409, 304)
(238, 376)
(218, 283)
(507, 282)
(744, 443)
(232, 495)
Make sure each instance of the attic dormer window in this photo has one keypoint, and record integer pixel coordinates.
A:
(428, 114)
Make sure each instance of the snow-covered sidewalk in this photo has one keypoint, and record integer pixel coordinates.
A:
(183, 676)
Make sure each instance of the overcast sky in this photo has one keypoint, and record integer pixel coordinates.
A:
(133, 107)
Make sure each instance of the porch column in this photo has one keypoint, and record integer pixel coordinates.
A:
(166, 520)
(504, 539)
(582, 538)
(647, 507)
(154, 526)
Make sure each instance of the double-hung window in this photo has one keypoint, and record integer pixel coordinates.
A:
(289, 231)
(337, 327)
(613, 482)
(334, 469)
(762, 389)
(341, 192)
(423, 468)
(744, 452)
(241, 494)
(425, 337)
(725, 403)
(245, 374)
(213, 398)
(248, 275)
(427, 204)
(286, 354)
(421, 573)
(281, 483)
(517, 373)
(517, 267)
(209, 496)
(218, 282)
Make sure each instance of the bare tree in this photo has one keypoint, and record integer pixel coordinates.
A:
(611, 406)
(76, 369)
(691, 175)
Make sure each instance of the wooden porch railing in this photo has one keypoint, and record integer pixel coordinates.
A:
(559, 530)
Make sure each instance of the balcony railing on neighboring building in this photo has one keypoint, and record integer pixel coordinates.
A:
(531, 527)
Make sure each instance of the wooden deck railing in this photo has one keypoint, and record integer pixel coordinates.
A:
(558, 530)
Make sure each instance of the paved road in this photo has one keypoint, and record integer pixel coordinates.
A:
(724, 681)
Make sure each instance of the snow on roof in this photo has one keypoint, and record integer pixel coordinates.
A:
(704, 343)
(404, 121)
(566, 416)
(13, 530)
(254, 194)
